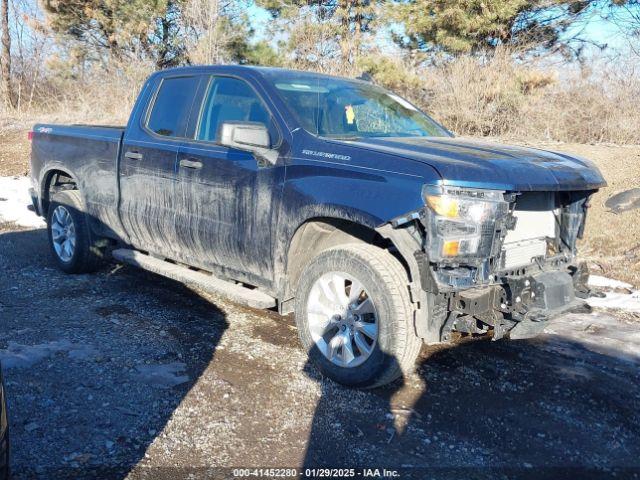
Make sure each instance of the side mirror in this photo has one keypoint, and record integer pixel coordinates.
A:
(244, 135)
(249, 136)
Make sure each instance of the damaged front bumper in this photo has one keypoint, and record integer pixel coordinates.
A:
(517, 306)
(486, 294)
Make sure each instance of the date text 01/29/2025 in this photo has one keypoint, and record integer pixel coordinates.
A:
(313, 473)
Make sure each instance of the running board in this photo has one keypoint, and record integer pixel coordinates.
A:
(209, 283)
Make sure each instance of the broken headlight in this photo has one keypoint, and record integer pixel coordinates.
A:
(462, 223)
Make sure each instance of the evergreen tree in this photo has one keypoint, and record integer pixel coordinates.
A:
(480, 26)
(168, 32)
(323, 35)
(121, 27)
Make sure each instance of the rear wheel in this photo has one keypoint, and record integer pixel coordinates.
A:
(73, 247)
(355, 316)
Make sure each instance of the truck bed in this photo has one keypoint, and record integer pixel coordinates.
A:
(89, 153)
(74, 146)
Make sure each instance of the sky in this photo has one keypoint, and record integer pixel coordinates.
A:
(602, 31)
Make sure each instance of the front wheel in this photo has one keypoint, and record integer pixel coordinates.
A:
(355, 316)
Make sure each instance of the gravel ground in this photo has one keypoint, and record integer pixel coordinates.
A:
(123, 373)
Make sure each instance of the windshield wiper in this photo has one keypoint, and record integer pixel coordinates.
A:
(345, 137)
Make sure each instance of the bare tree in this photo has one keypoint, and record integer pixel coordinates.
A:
(217, 30)
(203, 16)
(625, 14)
(5, 56)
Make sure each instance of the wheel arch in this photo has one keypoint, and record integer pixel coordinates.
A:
(55, 179)
(317, 234)
(320, 233)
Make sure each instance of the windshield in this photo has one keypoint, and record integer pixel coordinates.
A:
(350, 109)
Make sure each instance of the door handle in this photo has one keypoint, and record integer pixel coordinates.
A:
(192, 164)
(133, 155)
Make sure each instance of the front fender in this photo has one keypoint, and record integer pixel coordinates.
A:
(360, 195)
(375, 195)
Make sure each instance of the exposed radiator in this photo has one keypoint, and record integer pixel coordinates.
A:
(521, 253)
(535, 222)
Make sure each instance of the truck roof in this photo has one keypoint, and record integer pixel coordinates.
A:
(239, 69)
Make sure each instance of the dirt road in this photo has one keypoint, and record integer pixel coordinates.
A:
(123, 372)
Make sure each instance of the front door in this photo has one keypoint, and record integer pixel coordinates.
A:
(229, 198)
(148, 166)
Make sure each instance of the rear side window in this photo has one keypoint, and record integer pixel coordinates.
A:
(232, 100)
(172, 106)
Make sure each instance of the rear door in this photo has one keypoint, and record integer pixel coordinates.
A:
(230, 198)
(148, 165)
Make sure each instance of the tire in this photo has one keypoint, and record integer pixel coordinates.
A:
(83, 254)
(385, 283)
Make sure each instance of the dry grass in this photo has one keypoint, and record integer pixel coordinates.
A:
(15, 150)
(584, 110)
(612, 242)
(487, 99)
(507, 99)
(495, 96)
(100, 95)
(501, 97)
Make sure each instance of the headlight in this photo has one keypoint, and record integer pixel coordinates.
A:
(462, 222)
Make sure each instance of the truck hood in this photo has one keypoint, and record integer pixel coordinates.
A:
(476, 164)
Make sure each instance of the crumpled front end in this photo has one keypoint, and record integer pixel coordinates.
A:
(497, 262)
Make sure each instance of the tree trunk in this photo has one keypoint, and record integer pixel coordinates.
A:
(162, 61)
(345, 30)
(357, 28)
(5, 57)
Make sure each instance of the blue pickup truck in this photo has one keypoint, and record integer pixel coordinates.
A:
(328, 197)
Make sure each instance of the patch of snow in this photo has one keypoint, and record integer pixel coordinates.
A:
(15, 202)
(162, 376)
(614, 300)
(619, 301)
(604, 282)
(17, 355)
(599, 333)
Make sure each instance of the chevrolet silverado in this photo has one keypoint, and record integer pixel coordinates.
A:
(327, 197)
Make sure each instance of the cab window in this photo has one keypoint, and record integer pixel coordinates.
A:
(172, 106)
(232, 100)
